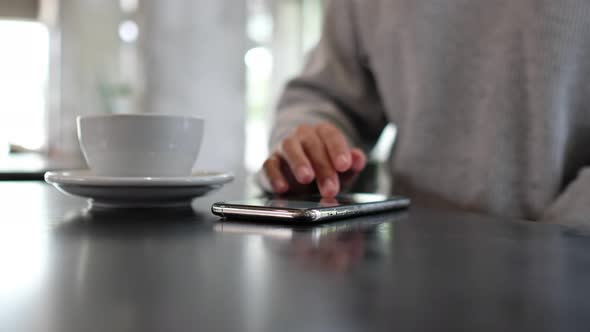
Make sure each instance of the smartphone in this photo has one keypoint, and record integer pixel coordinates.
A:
(309, 209)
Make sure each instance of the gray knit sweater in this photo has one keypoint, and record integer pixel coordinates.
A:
(491, 98)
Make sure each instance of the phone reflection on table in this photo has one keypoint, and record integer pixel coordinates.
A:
(334, 247)
(335, 252)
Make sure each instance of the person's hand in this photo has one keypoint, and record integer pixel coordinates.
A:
(314, 154)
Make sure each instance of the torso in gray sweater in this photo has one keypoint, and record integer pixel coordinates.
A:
(491, 97)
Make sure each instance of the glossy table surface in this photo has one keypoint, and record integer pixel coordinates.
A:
(32, 166)
(64, 268)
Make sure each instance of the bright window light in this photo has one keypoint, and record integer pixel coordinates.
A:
(259, 60)
(259, 28)
(128, 31)
(24, 64)
(259, 64)
(128, 6)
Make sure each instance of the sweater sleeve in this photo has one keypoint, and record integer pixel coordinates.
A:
(572, 207)
(336, 85)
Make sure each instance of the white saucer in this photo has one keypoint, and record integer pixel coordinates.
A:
(129, 192)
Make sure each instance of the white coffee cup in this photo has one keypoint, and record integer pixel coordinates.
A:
(140, 145)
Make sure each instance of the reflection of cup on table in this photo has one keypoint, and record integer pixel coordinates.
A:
(140, 145)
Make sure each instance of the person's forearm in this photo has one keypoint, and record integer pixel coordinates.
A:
(334, 85)
(327, 115)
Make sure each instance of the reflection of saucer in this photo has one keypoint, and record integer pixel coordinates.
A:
(137, 191)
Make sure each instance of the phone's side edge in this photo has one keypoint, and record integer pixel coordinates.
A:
(241, 212)
(347, 211)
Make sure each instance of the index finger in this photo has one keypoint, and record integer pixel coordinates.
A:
(336, 145)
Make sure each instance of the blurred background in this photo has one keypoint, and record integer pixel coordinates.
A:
(224, 60)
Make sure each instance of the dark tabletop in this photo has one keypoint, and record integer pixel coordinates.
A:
(32, 166)
(63, 268)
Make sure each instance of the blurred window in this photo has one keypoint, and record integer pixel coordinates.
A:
(24, 67)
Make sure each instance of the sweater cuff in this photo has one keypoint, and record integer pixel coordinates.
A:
(572, 207)
(290, 118)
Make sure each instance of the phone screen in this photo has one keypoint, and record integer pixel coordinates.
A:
(312, 202)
